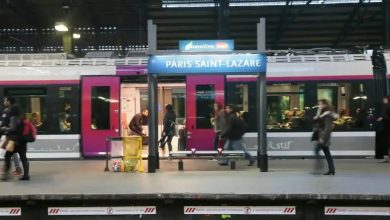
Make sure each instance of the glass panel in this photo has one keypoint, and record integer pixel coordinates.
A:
(285, 103)
(65, 114)
(178, 102)
(144, 98)
(100, 108)
(33, 103)
(205, 97)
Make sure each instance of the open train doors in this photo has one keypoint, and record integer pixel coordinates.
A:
(202, 93)
(100, 113)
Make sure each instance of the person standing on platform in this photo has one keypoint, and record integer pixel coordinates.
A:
(236, 128)
(219, 125)
(322, 135)
(14, 145)
(385, 120)
(5, 119)
(137, 121)
(169, 128)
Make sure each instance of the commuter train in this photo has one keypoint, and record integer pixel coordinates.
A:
(77, 104)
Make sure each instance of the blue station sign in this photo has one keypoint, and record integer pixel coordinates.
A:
(207, 64)
(206, 45)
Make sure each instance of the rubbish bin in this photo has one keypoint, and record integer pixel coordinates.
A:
(132, 153)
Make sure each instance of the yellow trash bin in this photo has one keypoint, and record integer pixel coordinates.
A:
(132, 153)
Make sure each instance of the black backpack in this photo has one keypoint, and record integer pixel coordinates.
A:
(238, 128)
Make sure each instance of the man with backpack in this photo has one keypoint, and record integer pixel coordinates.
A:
(236, 128)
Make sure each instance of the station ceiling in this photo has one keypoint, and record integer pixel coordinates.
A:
(121, 24)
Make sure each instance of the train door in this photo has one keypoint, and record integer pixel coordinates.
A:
(202, 93)
(100, 113)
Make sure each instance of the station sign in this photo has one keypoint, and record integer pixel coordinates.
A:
(239, 210)
(207, 64)
(123, 210)
(206, 45)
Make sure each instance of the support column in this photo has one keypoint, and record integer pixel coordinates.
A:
(262, 156)
(67, 42)
(153, 158)
(386, 6)
(223, 19)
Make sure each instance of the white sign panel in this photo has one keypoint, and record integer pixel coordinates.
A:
(12, 211)
(239, 210)
(125, 210)
(374, 211)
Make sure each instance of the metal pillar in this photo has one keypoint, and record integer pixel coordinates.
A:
(153, 157)
(152, 122)
(386, 6)
(262, 156)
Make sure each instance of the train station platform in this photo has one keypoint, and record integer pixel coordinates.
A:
(289, 185)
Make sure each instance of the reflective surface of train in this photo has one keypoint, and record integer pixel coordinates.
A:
(77, 104)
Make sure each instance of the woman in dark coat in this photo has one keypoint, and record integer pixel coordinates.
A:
(169, 124)
(322, 134)
(384, 119)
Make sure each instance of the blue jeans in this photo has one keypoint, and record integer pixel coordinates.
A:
(16, 160)
(328, 156)
(238, 145)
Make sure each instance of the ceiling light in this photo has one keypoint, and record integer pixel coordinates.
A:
(61, 27)
(76, 36)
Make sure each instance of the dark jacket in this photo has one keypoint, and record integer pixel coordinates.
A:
(11, 123)
(324, 125)
(136, 124)
(169, 123)
(220, 122)
(385, 114)
(235, 127)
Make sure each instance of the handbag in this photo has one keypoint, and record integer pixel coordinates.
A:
(10, 145)
(315, 136)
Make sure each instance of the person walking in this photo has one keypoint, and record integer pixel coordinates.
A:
(322, 135)
(5, 119)
(169, 128)
(384, 119)
(235, 130)
(13, 132)
(137, 121)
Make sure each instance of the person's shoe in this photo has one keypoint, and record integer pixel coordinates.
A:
(17, 172)
(385, 160)
(24, 178)
(329, 173)
(251, 162)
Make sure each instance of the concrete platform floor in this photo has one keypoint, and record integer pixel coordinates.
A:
(362, 179)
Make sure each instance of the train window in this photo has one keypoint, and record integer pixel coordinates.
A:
(205, 97)
(178, 102)
(65, 114)
(285, 105)
(33, 103)
(291, 106)
(100, 108)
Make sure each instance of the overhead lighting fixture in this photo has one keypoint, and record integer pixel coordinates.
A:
(76, 36)
(61, 27)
